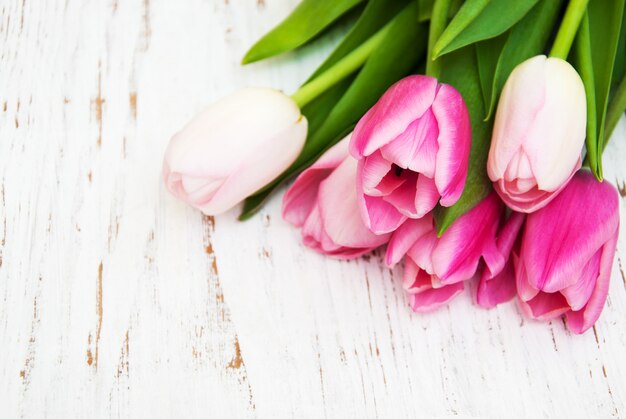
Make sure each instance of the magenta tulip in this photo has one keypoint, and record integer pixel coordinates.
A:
(413, 148)
(538, 133)
(233, 148)
(323, 202)
(436, 268)
(567, 251)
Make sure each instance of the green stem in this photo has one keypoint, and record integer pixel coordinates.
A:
(340, 70)
(438, 23)
(615, 111)
(567, 31)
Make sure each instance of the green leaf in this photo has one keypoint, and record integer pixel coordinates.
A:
(426, 9)
(596, 48)
(619, 69)
(488, 53)
(307, 21)
(584, 64)
(398, 54)
(616, 109)
(460, 70)
(478, 20)
(377, 14)
(617, 95)
(525, 40)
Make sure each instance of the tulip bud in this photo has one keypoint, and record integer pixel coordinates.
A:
(233, 148)
(323, 202)
(413, 148)
(436, 268)
(567, 250)
(538, 133)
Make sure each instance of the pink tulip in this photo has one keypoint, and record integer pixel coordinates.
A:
(233, 148)
(436, 268)
(538, 133)
(413, 149)
(567, 251)
(323, 202)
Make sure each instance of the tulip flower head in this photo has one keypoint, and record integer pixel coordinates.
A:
(233, 148)
(436, 268)
(323, 202)
(538, 133)
(567, 250)
(413, 148)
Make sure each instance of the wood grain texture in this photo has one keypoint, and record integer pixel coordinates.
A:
(118, 301)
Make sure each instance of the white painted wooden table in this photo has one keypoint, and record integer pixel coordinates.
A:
(118, 301)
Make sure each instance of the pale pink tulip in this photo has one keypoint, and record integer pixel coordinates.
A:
(323, 202)
(538, 133)
(436, 268)
(233, 148)
(413, 147)
(567, 251)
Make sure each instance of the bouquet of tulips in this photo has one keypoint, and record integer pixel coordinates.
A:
(465, 136)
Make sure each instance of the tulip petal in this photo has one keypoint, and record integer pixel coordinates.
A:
(524, 185)
(422, 250)
(426, 196)
(313, 230)
(389, 185)
(415, 279)
(458, 251)
(524, 201)
(192, 184)
(403, 198)
(494, 259)
(507, 237)
(405, 236)
(519, 167)
(419, 286)
(412, 281)
(269, 159)
(416, 148)
(378, 215)
(401, 104)
(455, 137)
(545, 306)
(496, 289)
(203, 193)
(339, 210)
(431, 299)
(497, 282)
(580, 321)
(425, 160)
(373, 172)
(334, 156)
(300, 198)
(525, 290)
(579, 293)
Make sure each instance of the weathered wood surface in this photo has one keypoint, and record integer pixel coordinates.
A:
(118, 301)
